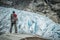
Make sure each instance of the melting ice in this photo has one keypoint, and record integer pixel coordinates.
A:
(29, 22)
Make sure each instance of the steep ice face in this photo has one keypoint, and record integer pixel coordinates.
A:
(29, 22)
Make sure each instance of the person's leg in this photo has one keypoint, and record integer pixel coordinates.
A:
(15, 28)
(11, 27)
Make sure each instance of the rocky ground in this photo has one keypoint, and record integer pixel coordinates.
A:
(20, 37)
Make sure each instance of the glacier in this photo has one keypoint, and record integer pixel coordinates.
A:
(29, 22)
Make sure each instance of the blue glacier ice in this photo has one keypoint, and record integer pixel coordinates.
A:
(29, 22)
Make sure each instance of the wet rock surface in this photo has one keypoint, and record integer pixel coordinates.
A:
(19, 37)
(33, 38)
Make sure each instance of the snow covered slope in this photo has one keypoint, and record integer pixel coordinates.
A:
(29, 22)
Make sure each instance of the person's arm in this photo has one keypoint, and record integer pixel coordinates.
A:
(16, 18)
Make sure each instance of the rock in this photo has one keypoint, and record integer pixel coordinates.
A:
(56, 0)
(7, 2)
(33, 38)
(13, 36)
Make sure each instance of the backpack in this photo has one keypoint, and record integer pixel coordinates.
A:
(13, 17)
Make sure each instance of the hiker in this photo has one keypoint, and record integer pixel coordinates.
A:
(13, 21)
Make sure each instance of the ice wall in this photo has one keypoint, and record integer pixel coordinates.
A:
(29, 22)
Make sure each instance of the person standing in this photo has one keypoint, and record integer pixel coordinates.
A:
(13, 21)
